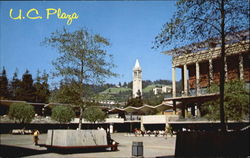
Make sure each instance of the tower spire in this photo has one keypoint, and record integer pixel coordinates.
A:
(137, 64)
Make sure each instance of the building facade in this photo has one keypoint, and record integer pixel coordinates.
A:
(201, 69)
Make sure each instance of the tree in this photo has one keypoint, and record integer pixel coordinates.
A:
(151, 99)
(4, 88)
(21, 112)
(63, 114)
(135, 102)
(130, 84)
(65, 94)
(125, 84)
(120, 85)
(94, 114)
(83, 59)
(146, 83)
(217, 22)
(14, 86)
(236, 102)
(42, 88)
(26, 90)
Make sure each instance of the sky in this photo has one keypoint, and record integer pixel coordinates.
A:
(130, 26)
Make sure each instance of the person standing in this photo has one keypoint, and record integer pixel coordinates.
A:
(35, 136)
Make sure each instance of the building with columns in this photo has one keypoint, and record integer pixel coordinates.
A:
(137, 79)
(200, 69)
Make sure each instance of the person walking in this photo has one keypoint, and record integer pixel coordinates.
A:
(35, 136)
(166, 132)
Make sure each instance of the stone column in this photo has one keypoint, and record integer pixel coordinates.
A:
(210, 71)
(111, 128)
(173, 82)
(185, 80)
(142, 126)
(183, 108)
(193, 110)
(241, 68)
(174, 107)
(197, 110)
(197, 68)
(226, 73)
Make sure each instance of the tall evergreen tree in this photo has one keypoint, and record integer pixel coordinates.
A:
(42, 88)
(4, 88)
(125, 84)
(14, 85)
(26, 91)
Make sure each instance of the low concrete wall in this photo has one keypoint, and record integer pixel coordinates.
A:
(44, 127)
(71, 138)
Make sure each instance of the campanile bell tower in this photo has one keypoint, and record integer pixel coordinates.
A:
(137, 80)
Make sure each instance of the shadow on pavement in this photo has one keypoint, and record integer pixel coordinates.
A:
(164, 157)
(15, 151)
(78, 150)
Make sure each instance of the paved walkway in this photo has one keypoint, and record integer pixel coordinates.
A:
(153, 146)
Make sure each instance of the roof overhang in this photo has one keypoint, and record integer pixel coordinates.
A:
(194, 99)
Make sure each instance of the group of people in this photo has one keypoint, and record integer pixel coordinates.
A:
(155, 133)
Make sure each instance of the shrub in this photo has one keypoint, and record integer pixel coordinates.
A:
(93, 114)
(21, 112)
(63, 114)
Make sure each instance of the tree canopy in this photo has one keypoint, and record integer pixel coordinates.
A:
(25, 89)
(135, 102)
(236, 102)
(14, 86)
(21, 112)
(94, 114)
(42, 88)
(83, 59)
(196, 21)
(4, 89)
(63, 114)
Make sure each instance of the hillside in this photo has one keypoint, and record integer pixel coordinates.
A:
(151, 87)
(116, 90)
(123, 93)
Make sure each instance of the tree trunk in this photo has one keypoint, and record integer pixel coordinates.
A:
(222, 67)
(80, 118)
(81, 96)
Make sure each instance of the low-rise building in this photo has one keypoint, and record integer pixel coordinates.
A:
(162, 89)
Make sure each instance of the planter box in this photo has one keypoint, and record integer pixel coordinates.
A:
(76, 138)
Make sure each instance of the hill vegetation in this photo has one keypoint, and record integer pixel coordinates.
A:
(37, 90)
(116, 90)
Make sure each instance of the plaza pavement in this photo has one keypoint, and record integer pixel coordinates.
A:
(153, 146)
